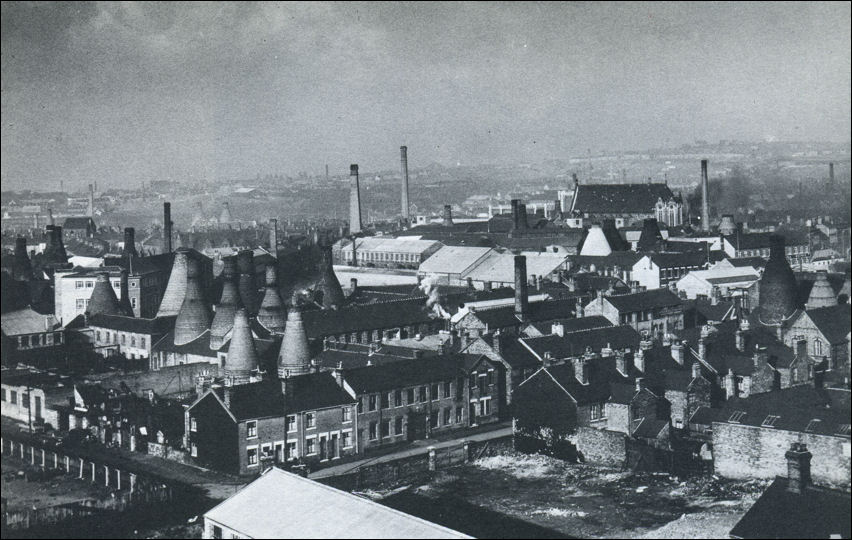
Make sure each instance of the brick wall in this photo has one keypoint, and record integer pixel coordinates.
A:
(600, 445)
(753, 452)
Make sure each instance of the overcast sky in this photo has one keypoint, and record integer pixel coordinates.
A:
(120, 93)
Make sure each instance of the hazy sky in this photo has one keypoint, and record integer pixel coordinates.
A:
(120, 93)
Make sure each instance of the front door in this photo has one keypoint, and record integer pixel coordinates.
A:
(335, 447)
(279, 453)
(323, 448)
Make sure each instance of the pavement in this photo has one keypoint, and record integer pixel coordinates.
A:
(422, 448)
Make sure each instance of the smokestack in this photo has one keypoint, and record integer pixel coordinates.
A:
(167, 226)
(247, 287)
(23, 268)
(271, 313)
(130, 243)
(50, 216)
(448, 216)
(194, 316)
(516, 216)
(831, 172)
(705, 202)
(403, 158)
(124, 301)
(91, 209)
(273, 237)
(521, 296)
(294, 357)
(355, 225)
(242, 354)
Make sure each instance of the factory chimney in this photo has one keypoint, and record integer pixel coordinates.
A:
(130, 243)
(247, 287)
(167, 227)
(448, 216)
(355, 225)
(273, 237)
(521, 295)
(403, 158)
(831, 172)
(705, 202)
(91, 209)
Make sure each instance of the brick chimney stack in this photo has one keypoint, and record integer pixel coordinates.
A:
(167, 227)
(273, 237)
(355, 225)
(521, 294)
(403, 159)
(448, 216)
(798, 467)
(705, 202)
(130, 242)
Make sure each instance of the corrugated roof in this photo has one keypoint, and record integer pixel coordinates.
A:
(284, 505)
(501, 266)
(453, 259)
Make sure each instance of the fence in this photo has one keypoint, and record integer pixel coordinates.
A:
(430, 460)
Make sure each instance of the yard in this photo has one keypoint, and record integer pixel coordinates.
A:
(517, 496)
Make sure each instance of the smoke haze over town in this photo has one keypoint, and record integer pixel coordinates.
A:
(124, 93)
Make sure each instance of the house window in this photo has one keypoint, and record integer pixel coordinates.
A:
(372, 406)
(397, 398)
(25, 401)
(433, 419)
(251, 429)
(90, 284)
(422, 394)
(3, 394)
(818, 347)
(193, 424)
(80, 304)
(266, 451)
(346, 439)
(448, 416)
(447, 389)
(310, 420)
(474, 377)
(490, 377)
(217, 532)
(123, 339)
(397, 425)
(595, 411)
(142, 342)
(385, 400)
(311, 446)
(435, 390)
(132, 341)
(409, 396)
(291, 451)
(78, 284)
(484, 406)
(385, 428)
(346, 414)
(194, 451)
(133, 302)
(251, 454)
(14, 398)
(98, 336)
(373, 431)
(458, 415)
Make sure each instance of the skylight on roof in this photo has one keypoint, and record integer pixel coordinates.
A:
(843, 429)
(737, 416)
(812, 425)
(770, 420)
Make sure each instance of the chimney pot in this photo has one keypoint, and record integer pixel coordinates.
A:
(798, 467)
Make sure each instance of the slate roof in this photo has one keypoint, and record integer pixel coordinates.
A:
(266, 400)
(27, 321)
(391, 314)
(761, 240)
(404, 373)
(78, 223)
(650, 428)
(597, 391)
(796, 407)
(816, 512)
(575, 343)
(575, 324)
(679, 259)
(453, 259)
(159, 325)
(723, 355)
(547, 310)
(200, 346)
(332, 358)
(645, 300)
(619, 198)
(834, 322)
(754, 262)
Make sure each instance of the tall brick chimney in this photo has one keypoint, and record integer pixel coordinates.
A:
(798, 467)
(90, 211)
(355, 225)
(705, 202)
(273, 237)
(167, 227)
(521, 296)
(403, 159)
(831, 172)
(448, 216)
(130, 242)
